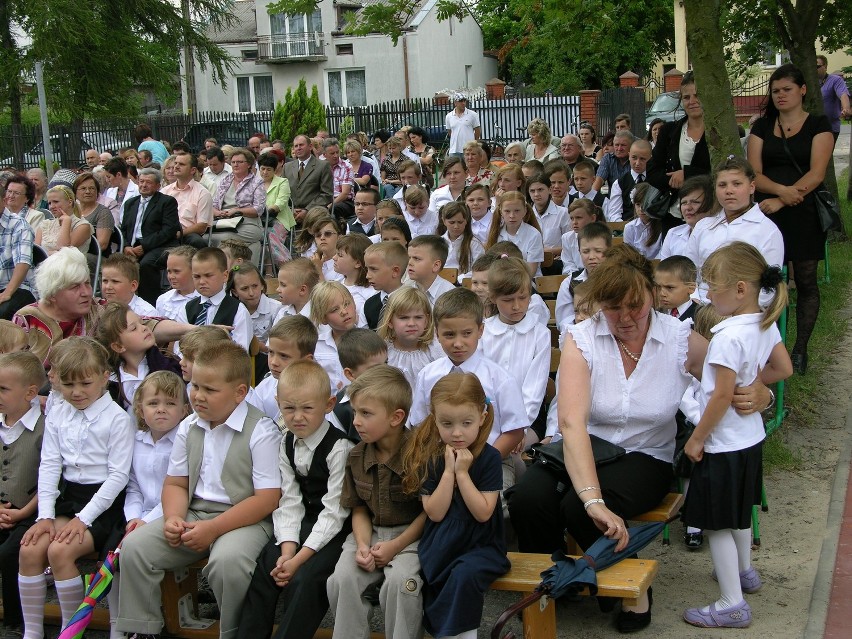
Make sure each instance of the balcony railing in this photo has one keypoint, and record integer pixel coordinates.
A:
(291, 48)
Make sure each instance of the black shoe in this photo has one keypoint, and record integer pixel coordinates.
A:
(800, 363)
(628, 621)
(607, 604)
(693, 541)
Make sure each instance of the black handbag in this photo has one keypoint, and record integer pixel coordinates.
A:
(828, 210)
(657, 203)
(552, 456)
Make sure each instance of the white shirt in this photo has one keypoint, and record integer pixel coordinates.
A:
(529, 240)
(476, 250)
(140, 215)
(132, 191)
(412, 362)
(502, 390)
(553, 222)
(9, 434)
(538, 309)
(571, 260)
(242, 332)
(462, 128)
(147, 474)
(141, 307)
(261, 319)
(676, 241)
(264, 453)
(636, 234)
(752, 227)
(438, 288)
(481, 226)
(289, 309)
(622, 410)
(740, 345)
(130, 383)
(439, 197)
(326, 356)
(614, 205)
(266, 393)
(426, 224)
(522, 349)
(171, 302)
(89, 446)
(211, 181)
(565, 301)
(287, 518)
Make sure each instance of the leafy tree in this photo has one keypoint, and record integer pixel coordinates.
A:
(298, 114)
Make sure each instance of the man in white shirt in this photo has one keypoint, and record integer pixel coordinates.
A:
(462, 125)
(195, 203)
(216, 170)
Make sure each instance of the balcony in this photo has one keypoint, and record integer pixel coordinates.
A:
(299, 47)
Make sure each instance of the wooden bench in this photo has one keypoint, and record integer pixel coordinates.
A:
(627, 580)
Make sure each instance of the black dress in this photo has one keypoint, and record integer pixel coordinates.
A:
(804, 239)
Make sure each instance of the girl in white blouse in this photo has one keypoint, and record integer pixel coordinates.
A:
(87, 450)
(643, 232)
(455, 227)
(515, 221)
(409, 332)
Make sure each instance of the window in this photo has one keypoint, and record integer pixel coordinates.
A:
(249, 54)
(344, 14)
(296, 35)
(344, 49)
(254, 93)
(347, 88)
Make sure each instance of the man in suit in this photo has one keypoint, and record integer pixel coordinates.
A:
(150, 225)
(311, 183)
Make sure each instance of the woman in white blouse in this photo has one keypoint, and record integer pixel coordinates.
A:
(623, 373)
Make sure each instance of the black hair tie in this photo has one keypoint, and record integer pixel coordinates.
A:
(771, 278)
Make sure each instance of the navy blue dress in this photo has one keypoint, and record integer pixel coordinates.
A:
(459, 556)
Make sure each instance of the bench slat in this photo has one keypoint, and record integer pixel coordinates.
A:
(665, 510)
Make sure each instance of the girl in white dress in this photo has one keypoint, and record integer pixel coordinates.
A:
(515, 221)
(455, 227)
(409, 332)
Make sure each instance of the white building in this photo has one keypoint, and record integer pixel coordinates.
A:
(273, 52)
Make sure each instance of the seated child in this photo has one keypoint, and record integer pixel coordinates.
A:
(327, 230)
(13, 338)
(420, 218)
(477, 198)
(621, 203)
(213, 305)
(119, 281)
(559, 173)
(305, 243)
(584, 179)
(409, 332)
(458, 322)
(410, 174)
(583, 309)
(643, 232)
(236, 252)
(133, 352)
(594, 241)
(291, 339)
(426, 257)
(365, 213)
(310, 522)
(296, 280)
(552, 219)
(395, 229)
(515, 221)
(385, 530)
(84, 516)
(333, 312)
(179, 274)
(458, 476)
(21, 431)
(538, 307)
(193, 342)
(581, 213)
(222, 485)
(384, 209)
(479, 283)
(455, 228)
(349, 262)
(247, 285)
(359, 350)
(386, 262)
(676, 278)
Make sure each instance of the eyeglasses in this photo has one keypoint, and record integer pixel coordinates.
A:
(820, 65)
(328, 234)
(11, 193)
(87, 188)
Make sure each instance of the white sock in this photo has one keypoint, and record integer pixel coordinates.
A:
(70, 593)
(723, 551)
(690, 530)
(33, 591)
(112, 600)
(742, 537)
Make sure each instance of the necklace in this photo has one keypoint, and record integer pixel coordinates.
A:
(628, 352)
(790, 126)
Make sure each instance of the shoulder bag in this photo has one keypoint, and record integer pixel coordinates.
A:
(552, 456)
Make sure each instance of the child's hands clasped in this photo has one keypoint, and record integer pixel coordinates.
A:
(364, 559)
(9, 516)
(173, 528)
(457, 460)
(383, 553)
(199, 535)
(74, 529)
(43, 527)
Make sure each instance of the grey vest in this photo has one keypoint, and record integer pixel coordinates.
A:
(19, 464)
(236, 471)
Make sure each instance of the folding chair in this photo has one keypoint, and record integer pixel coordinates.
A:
(118, 238)
(95, 249)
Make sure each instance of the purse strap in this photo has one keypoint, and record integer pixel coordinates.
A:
(787, 149)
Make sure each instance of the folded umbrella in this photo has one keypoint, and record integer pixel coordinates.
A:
(97, 586)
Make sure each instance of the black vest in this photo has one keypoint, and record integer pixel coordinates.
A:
(626, 182)
(314, 486)
(224, 316)
(345, 415)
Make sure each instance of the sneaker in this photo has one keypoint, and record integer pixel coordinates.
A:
(749, 580)
(738, 616)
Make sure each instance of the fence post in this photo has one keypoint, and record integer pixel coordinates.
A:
(442, 99)
(673, 79)
(495, 89)
(628, 79)
(589, 106)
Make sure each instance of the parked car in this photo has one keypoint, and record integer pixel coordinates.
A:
(100, 141)
(666, 107)
(233, 132)
(430, 121)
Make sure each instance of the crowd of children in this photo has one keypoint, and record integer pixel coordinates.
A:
(405, 397)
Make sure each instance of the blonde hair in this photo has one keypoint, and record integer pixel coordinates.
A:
(385, 384)
(166, 382)
(197, 338)
(321, 298)
(426, 448)
(302, 270)
(68, 194)
(27, 366)
(81, 356)
(406, 299)
(305, 374)
(705, 318)
(298, 330)
(12, 337)
(742, 262)
(507, 276)
(229, 359)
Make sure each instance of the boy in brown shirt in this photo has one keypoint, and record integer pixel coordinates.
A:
(386, 523)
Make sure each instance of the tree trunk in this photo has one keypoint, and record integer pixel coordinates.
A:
(706, 51)
(13, 80)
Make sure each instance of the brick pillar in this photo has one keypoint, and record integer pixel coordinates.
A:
(495, 89)
(589, 106)
(442, 99)
(672, 80)
(628, 79)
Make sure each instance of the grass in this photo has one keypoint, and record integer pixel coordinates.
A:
(805, 392)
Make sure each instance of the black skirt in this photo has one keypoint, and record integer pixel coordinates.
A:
(723, 489)
(74, 497)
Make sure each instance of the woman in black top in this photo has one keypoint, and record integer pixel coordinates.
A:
(785, 191)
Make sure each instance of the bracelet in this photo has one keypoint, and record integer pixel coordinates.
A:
(771, 399)
(586, 504)
(581, 491)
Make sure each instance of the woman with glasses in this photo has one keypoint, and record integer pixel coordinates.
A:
(241, 194)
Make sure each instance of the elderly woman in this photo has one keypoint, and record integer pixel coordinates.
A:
(362, 170)
(277, 203)
(66, 306)
(68, 228)
(622, 375)
(541, 146)
(39, 179)
(19, 199)
(88, 189)
(476, 161)
(241, 193)
(514, 153)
